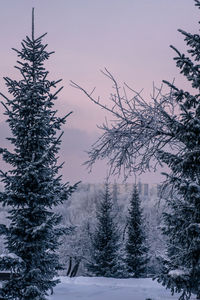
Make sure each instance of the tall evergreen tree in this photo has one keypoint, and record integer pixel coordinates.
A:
(182, 221)
(104, 239)
(136, 248)
(32, 186)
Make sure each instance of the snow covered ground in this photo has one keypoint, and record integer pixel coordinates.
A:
(99, 288)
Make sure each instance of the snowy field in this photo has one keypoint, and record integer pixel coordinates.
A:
(93, 288)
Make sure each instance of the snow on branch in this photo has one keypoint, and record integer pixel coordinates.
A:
(138, 131)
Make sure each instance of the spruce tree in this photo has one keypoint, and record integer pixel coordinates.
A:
(104, 239)
(33, 186)
(182, 221)
(135, 247)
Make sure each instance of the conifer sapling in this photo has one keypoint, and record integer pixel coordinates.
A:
(104, 239)
(136, 249)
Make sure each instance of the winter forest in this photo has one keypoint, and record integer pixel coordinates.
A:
(122, 238)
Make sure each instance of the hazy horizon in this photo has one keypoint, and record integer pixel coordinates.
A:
(130, 38)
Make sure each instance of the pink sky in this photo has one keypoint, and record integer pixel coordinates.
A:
(129, 37)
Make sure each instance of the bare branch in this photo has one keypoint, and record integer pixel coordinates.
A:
(141, 129)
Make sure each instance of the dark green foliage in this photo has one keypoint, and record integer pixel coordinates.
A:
(136, 249)
(182, 221)
(104, 239)
(32, 186)
(181, 271)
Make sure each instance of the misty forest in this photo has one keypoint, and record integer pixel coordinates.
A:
(113, 240)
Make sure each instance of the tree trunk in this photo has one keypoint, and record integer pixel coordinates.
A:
(70, 266)
(75, 269)
(198, 295)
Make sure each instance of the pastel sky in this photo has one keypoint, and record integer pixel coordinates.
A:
(129, 37)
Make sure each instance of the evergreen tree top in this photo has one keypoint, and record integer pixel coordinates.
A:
(33, 185)
(32, 120)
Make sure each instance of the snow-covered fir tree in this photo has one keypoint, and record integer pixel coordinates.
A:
(33, 186)
(135, 245)
(182, 221)
(104, 239)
